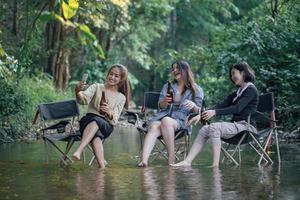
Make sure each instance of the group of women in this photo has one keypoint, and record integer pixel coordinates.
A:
(173, 114)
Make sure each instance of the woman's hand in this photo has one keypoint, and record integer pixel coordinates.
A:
(105, 109)
(206, 115)
(166, 101)
(79, 87)
(194, 120)
(189, 104)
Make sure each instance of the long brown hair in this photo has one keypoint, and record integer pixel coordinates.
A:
(188, 76)
(123, 85)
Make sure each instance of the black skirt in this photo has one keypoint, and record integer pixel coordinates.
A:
(105, 128)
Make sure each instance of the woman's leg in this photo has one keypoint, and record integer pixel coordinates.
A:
(150, 139)
(168, 127)
(98, 151)
(196, 147)
(88, 134)
(213, 131)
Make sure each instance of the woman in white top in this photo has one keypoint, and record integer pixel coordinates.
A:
(94, 126)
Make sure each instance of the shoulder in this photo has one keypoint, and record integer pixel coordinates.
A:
(121, 97)
(164, 87)
(252, 89)
(99, 85)
(96, 86)
(198, 88)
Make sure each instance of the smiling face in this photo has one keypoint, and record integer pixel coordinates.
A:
(237, 77)
(176, 72)
(114, 77)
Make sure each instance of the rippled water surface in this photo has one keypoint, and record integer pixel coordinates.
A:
(25, 175)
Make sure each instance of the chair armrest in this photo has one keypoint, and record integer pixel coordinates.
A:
(262, 115)
(58, 125)
(134, 115)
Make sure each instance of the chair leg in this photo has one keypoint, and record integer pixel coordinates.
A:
(59, 150)
(237, 148)
(68, 148)
(277, 146)
(186, 146)
(263, 149)
(93, 158)
(46, 151)
(228, 155)
(226, 150)
(260, 154)
(240, 159)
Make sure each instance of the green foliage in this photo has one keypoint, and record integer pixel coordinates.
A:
(19, 98)
(147, 36)
(270, 46)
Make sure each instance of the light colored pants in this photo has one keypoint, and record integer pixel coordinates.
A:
(218, 130)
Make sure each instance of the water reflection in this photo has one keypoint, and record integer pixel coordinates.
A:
(181, 183)
(91, 185)
(22, 169)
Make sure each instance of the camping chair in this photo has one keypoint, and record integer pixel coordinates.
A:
(140, 121)
(61, 113)
(266, 126)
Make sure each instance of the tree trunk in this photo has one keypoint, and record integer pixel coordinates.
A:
(14, 25)
(62, 70)
(53, 33)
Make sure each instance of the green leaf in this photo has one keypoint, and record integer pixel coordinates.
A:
(2, 52)
(86, 30)
(46, 16)
(99, 49)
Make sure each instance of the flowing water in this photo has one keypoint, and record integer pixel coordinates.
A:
(25, 175)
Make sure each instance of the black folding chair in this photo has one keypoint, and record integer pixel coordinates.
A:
(63, 114)
(150, 106)
(266, 125)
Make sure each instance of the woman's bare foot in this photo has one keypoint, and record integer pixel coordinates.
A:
(142, 164)
(105, 162)
(183, 163)
(213, 166)
(171, 162)
(76, 156)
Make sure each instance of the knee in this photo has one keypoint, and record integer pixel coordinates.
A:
(166, 122)
(92, 124)
(214, 130)
(154, 127)
(203, 132)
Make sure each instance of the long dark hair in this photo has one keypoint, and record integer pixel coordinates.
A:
(188, 76)
(123, 85)
(242, 66)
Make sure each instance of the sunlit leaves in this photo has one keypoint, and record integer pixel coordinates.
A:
(86, 37)
(69, 9)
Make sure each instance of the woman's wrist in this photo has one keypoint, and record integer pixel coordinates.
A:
(110, 116)
(162, 104)
(196, 109)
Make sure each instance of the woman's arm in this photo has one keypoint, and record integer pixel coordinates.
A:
(84, 97)
(225, 103)
(249, 94)
(199, 96)
(164, 99)
(195, 104)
